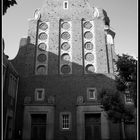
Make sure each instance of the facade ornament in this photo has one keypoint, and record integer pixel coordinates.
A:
(80, 100)
(37, 14)
(96, 12)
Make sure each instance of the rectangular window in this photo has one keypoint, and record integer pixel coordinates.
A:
(65, 120)
(39, 94)
(91, 93)
(128, 97)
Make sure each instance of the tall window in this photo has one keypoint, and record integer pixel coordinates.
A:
(12, 85)
(128, 94)
(128, 97)
(65, 5)
(4, 74)
(65, 120)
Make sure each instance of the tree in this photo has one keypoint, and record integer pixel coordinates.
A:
(113, 101)
(7, 4)
(127, 75)
(114, 105)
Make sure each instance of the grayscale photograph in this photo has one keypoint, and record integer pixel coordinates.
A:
(69, 70)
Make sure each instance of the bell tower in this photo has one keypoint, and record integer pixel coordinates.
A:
(68, 34)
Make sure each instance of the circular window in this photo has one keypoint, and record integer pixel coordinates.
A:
(88, 46)
(89, 57)
(41, 58)
(65, 46)
(42, 36)
(65, 57)
(65, 35)
(87, 25)
(41, 69)
(65, 25)
(88, 35)
(42, 46)
(65, 69)
(90, 68)
(43, 26)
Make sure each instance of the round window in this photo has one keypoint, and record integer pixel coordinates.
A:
(88, 35)
(43, 26)
(65, 46)
(41, 58)
(65, 35)
(89, 57)
(90, 68)
(65, 57)
(65, 25)
(87, 25)
(65, 69)
(41, 69)
(42, 36)
(42, 46)
(88, 46)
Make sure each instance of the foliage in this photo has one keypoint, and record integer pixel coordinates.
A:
(7, 4)
(113, 101)
(127, 73)
(114, 105)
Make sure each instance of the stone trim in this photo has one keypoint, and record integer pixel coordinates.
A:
(61, 121)
(48, 110)
(81, 111)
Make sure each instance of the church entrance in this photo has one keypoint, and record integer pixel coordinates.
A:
(93, 126)
(38, 126)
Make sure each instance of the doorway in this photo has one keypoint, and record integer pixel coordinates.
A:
(38, 126)
(9, 128)
(93, 126)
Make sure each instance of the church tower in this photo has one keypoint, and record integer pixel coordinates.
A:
(76, 33)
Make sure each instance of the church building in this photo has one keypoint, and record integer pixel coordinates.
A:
(64, 64)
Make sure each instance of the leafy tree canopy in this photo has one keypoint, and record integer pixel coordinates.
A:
(114, 105)
(126, 77)
(7, 4)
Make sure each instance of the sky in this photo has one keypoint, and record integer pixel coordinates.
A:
(122, 14)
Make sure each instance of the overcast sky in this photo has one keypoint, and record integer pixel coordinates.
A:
(122, 14)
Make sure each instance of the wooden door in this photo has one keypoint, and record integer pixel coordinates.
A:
(92, 127)
(38, 127)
